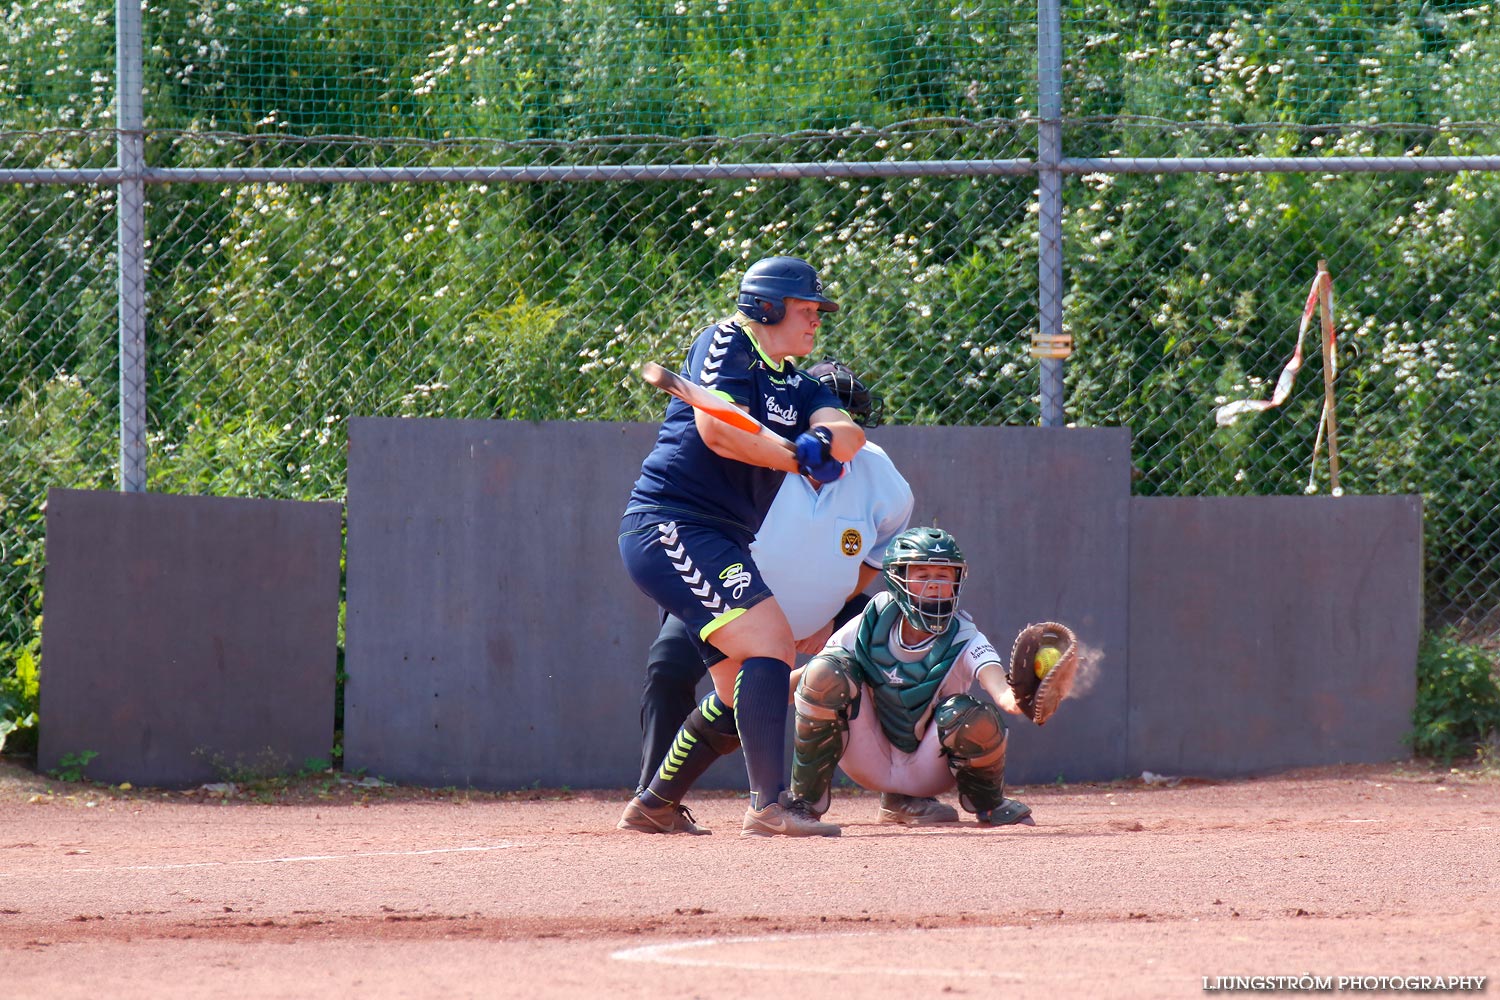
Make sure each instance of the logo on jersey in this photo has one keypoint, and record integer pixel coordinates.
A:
(893, 675)
(735, 578)
(777, 378)
(851, 541)
(786, 415)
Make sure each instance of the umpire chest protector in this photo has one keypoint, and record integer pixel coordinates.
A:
(902, 691)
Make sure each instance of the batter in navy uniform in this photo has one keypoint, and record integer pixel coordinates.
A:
(702, 494)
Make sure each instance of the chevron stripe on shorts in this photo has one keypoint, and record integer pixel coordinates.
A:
(700, 585)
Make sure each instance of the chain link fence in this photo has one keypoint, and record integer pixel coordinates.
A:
(555, 191)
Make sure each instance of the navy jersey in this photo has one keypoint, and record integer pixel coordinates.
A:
(683, 476)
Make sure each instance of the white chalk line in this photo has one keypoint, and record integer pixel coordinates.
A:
(666, 955)
(294, 859)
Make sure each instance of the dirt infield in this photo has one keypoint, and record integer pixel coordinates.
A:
(1120, 890)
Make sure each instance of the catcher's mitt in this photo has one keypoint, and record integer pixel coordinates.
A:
(1039, 696)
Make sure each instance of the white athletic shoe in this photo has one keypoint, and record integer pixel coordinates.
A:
(787, 817)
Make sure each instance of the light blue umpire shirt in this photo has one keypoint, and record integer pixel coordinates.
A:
(813, 541)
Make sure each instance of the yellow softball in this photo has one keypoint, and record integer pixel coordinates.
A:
(1046, 659)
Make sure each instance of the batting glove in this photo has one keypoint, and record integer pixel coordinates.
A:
(815, 455)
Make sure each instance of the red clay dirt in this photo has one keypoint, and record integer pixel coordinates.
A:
(1124, 889)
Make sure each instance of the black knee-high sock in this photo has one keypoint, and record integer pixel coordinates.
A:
(760, 697)
(707, 735)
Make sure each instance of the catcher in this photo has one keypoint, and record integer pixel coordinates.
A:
(907, 698)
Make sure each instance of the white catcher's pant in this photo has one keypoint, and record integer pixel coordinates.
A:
(871, 762)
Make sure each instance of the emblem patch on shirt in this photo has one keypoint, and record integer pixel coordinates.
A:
(851, 541)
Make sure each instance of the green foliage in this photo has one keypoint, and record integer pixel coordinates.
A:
(71, 766)
(565, 69)
(19, 673)
(268, 776)
(58, 60)
(1304, 63)
(264, 765)
(19, 694)
(1458, 698)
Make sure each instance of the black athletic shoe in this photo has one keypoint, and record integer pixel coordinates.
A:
(910, 810)
(1008, 813)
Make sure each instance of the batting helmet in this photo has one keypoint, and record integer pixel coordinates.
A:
(919, 602)
(770, 282)
(862, 404)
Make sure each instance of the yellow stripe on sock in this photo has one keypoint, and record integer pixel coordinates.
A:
(676, 755)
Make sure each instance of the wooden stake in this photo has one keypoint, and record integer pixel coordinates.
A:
(1329, 423)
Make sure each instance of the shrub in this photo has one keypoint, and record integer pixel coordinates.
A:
(1458, 698)
(19, 694)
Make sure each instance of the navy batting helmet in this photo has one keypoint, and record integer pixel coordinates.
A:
(862, 404)
(770, 282)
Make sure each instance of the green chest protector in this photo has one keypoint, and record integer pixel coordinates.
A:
(902, 691)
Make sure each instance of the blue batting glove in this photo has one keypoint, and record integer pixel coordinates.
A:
(827, 472)
(815, 455)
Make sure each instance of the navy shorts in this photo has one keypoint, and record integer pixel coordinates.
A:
(701, 573)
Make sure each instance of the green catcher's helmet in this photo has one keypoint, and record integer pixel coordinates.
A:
(919, 602)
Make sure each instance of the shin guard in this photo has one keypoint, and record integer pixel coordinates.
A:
(824, 695)
(973, 736)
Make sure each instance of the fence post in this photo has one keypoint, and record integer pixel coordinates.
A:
(1050, 209)
(131, 245)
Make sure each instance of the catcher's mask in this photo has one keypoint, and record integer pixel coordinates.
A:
(768, 283)
(863, 405)
(921, 602)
